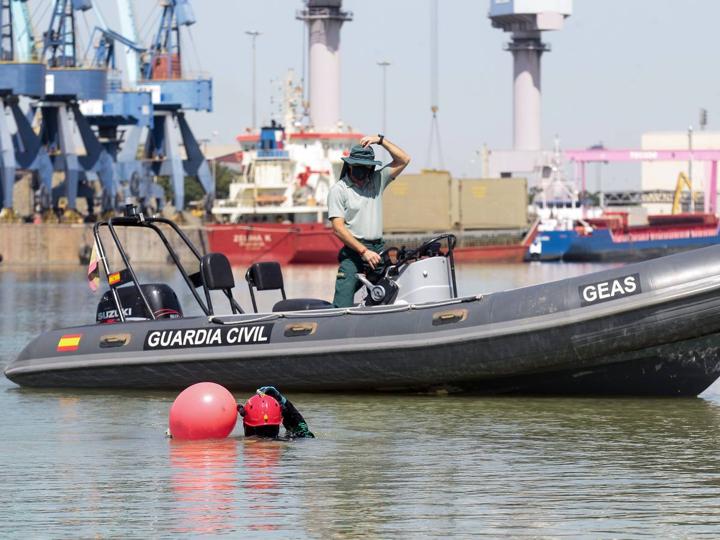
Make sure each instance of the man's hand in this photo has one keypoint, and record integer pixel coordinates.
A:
(372, 258)
(373, 139)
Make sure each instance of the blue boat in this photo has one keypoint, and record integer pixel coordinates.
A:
(663, 235)
(550, 245)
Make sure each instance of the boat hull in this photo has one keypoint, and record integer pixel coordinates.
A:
(513, 253)
(304, 243)
(550, 245)
(604, 246)
(652, 328)
(663, 371)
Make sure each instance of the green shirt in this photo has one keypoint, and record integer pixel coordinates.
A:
(361, 207)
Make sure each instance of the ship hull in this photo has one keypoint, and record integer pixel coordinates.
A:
(605, 246)
(311, 243)
(550, 245)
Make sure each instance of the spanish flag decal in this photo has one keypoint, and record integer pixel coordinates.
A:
(114, 278)
(69, 342)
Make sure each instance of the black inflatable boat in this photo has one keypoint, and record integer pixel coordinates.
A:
(651, 328)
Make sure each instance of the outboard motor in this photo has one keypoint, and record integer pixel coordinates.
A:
(162, 300)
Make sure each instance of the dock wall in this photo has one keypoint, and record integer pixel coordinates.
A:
(61, 244)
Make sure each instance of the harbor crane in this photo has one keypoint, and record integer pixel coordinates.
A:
(120, 119)
(68, 82)
(84, 98)
(173, 93)
(22, 74)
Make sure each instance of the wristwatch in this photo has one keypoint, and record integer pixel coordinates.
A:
(382, 138)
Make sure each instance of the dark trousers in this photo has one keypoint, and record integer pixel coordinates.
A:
(351, 263)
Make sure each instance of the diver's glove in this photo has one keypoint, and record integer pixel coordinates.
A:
(273, 393)
(241, 410)
(302, 431)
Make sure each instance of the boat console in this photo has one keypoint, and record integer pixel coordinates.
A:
(413, 276)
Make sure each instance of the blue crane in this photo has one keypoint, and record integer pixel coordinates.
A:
(67, 83)
(125, 113)
(161, 73)
(21, 74)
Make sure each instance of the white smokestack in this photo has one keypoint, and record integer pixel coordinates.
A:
(526, 20)
(324, 19)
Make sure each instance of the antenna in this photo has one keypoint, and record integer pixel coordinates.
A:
(434, 56)
(434, 91)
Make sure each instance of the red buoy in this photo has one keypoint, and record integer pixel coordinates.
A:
(203, 411)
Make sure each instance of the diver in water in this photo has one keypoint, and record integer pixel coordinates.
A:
(263, 413)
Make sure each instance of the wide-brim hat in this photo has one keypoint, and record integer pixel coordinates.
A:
(361, 155)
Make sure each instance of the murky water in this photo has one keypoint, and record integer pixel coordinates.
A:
(96, 464)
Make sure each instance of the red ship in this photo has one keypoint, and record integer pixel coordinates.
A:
(497, 253)
(302, 243)
(315, 243)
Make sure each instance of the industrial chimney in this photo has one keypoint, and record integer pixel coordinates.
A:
(527, 19)
(324, 19)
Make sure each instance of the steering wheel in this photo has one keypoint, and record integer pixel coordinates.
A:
(426, 247)
(388, 258)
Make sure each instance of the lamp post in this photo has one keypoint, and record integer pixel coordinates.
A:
(253, 35)
(214, 135)
(690, 171)
(383, 65)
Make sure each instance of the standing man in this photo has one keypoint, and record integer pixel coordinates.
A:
(355, 211)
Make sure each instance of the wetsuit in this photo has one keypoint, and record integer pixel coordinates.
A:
(294, 423)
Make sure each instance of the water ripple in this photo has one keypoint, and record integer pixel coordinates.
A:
(86, 464)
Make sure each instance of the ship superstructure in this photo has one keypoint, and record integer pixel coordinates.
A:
(286, 169)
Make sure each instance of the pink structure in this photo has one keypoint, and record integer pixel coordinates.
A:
(324, 19)
(582, 157)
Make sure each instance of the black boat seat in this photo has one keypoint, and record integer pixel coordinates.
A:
(216, 272)
(216, 275)
(267, 276)
(301, 304)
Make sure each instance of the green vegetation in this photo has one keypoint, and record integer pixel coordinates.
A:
(224, 176)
